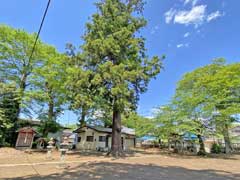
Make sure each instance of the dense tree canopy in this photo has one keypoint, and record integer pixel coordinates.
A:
(9, 101)
(208, 97)
(116, 56)
(142, 125)
(48, 81)
(104, 79)
(38, 80)
(80, 91)
(15, 63)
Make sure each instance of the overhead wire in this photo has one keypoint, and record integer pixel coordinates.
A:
(31, 55)
(39, 30)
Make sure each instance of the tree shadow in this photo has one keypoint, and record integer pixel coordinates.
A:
(186, 155)
(85, 153)
(99, 154)
(112, 171)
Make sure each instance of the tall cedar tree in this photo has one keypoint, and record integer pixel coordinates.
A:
(116, 56)
(79, 90)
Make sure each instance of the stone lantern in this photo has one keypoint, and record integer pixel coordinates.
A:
(50, 148)
(63, 149)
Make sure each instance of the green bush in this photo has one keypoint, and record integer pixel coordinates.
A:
(216, 148)
(34, 145)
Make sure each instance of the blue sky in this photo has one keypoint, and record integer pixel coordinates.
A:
(189, 32)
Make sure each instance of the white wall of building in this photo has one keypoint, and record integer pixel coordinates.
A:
(95, 145)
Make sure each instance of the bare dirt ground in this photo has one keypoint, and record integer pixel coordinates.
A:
(145, 165)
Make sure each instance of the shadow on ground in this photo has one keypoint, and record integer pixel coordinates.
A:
(157, 151)
(112, 171)
(184, 155)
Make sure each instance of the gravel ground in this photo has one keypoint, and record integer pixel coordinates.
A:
(145, 165)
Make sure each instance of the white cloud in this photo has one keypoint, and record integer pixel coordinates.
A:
(195, 16)
(193, 2)
(186, 34)
(213, 16)
(179, 45)
(186, 1)
(149, 117)
(155, 110)
(169, 15)
(182, 45)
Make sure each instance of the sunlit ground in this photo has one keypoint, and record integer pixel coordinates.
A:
(154, 165)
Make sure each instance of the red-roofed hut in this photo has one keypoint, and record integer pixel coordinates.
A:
(25, 137)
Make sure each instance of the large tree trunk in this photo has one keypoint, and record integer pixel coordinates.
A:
(228, 146)
(23, 82)
(22, 86)
(50, 110)
(116, 149)
(50, 102)
(83, 116)
(12, 131)
(202, 146)
(175, 149)
(169, 144)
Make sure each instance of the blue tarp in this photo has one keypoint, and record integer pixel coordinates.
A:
(189, 136)
(148, 138)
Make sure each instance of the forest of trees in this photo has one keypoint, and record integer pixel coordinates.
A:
(206, 103)
(106, 75)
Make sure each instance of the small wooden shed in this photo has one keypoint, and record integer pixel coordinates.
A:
(25, 137)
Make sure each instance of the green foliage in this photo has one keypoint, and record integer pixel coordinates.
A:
(112, 68)
(209, 89)
(48, 83)
(71, 126)
(34, 145)
(143, 126)
(115, 55)
(101, 117)
(9, 100)
(216, 148)
(80, 91)
(213, 88)
(15, 49)
(39, 80)
(15, 66)
(48, 126)
(207, 97)
(4, 124)
(166, 122)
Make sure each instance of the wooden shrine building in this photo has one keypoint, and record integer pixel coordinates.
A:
(25, 138)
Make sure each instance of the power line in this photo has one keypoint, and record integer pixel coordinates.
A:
(39, 30)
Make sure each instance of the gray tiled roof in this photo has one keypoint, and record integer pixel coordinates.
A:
(125, 130)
